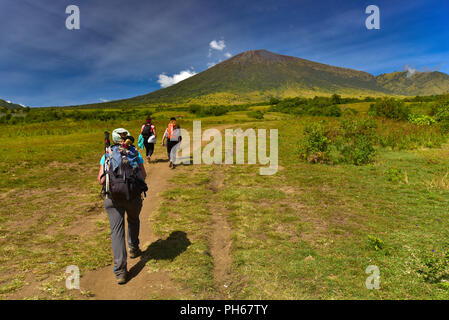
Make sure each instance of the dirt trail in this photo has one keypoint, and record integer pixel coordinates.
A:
(220, 242)
(143, 285)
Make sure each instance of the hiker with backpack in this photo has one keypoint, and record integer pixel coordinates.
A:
(148, 132)
(173, 136)
(122, 175)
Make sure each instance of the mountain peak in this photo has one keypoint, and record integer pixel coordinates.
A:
(257, 75)
(259, 56)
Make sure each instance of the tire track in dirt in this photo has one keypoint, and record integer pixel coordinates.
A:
(220, 241)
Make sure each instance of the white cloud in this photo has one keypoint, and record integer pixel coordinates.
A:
(103, 100)
(8, 101)
(410, 71)
(217, 45)
(228, 55)
(166, 81)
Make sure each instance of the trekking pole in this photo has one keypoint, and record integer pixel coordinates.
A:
(107, 152)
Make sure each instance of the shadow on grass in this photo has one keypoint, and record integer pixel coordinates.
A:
(168, 249)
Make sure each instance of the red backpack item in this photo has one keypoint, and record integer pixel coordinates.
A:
(171, 128)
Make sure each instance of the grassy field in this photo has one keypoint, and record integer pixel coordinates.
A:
(307, 232)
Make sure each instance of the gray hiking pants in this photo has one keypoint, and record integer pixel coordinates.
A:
(116, 214)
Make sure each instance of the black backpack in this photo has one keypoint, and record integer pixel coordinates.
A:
(126, 182)
(147, 131)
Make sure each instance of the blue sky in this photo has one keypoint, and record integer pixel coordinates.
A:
(129, 48)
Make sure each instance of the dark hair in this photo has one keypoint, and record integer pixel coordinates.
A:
(130, 138)
(172, 118)
(149, 119)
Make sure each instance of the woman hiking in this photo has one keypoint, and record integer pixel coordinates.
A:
(148, 132)
(173, 136)
(122, 175)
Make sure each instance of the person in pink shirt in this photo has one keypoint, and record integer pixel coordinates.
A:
(148, 130)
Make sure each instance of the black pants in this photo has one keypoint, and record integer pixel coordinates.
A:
(149, 147)
(170, 145)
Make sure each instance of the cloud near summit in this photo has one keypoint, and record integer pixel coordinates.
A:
(217, 45)
(166, 81)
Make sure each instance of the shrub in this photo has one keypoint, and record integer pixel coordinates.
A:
(352, 142)
(420, 120)
(441, 110)
(194, 108)
(390, 108)
(205, 111)
(315, 143)
(255, 114)
(356, 141)
(376, 243)
(274, 101)
(318, 106)
(434, 268)
(336, 99)
(394, 175)
(333, 111)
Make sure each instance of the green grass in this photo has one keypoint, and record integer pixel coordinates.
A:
(307, 232)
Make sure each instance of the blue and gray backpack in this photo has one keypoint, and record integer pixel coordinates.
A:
(125, 179)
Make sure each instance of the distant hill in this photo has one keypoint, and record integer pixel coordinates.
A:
(257, 75)
(10, 106)
(420, 83)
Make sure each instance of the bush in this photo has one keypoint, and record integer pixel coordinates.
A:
(395, 175)
(390, 108)
(194, 108)
(315, 143)
(318, 106)
(255, 114)
(434, 268)
(206, 111)
(336, 99)
(333, 111)
(274, 101)
(420, 120)
(376, 243)
(441, 111)
(352, 142)
(356, 141)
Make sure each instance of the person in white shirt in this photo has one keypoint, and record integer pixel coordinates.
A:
(173, 136)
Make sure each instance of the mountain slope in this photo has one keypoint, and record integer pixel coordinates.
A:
(257, 75)
(10, 106)
(420, 83)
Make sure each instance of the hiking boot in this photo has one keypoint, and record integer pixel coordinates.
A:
(173, 166)
(121, 279)
(134, 253)
(170, 164)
